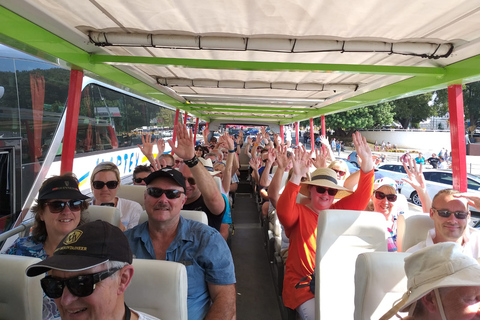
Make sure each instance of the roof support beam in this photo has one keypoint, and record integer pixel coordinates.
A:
(270, 66)
(208, 107)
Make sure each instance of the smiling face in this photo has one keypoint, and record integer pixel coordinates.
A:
(384, 206)
(105, 195)
(451, 228)
(106, 301)
(163, 209)
(59, 224)
(319, 201)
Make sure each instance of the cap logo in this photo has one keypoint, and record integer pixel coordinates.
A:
(67, 183)
(73, 237)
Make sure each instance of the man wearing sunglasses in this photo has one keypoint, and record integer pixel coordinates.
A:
(89, 273)
(450, 215)
(140, 173)
(168, 236)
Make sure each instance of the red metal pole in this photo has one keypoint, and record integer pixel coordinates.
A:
(185, 118)
(71, 121)
(457, 136)
(324, 128)
(281, 134)
(174, 137)
(312, 135)
(196, 129)
(296, 133)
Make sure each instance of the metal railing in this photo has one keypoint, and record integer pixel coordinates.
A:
(23, 227)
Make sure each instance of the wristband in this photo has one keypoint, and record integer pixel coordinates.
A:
(192, 162)
(231, 151)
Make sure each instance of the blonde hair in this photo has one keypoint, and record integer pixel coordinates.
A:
(343, 165)
(105, 166)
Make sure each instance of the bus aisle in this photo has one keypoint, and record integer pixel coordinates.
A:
(256, 297)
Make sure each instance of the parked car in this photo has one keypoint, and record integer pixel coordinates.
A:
(393, 170)
(438, 180)
(352, 157)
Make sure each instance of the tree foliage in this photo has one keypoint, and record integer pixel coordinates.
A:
(345, 123)
(413, 110)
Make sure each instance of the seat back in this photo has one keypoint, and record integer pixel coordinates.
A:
(199, 216)
(341, 236)
(104, 213)
(412, 229)
(158, 288)
(379, 281)
(132, 192)
(21, 297)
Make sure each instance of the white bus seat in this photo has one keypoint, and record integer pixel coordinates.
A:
(380, 280)
(132, 192)
(412, 230)
(158, 288)
(218, 181)
(199, 216)
(341, 236)
(104, 213)
(21, 297)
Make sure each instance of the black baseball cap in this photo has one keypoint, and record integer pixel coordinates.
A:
(171, 173)
(65, 187)
(87, 246)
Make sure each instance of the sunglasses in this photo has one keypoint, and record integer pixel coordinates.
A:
(458, 214)
(80, 286)
(169, 193)
(191, 181)
(321, 190)
(59, 206)
(101, 184)
(136, 180)
(339, 172)
(390, 197)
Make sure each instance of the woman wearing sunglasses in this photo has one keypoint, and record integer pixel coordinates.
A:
(57, 211)
(300, 221)
(104, 181)
(341, 169)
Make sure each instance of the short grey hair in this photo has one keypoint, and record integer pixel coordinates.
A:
(116, 264)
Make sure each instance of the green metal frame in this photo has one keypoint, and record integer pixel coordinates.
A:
(24, 35)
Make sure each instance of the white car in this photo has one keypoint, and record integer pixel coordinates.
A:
(438, 180)
(393, 170)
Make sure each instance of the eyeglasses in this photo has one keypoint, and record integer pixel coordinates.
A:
(169, 193)
(380, 196)
(101, 184)
(191, 181)
(136, 180)
(339, 172)
(80, 286)
(59, 206)
(321, 190)
(458, 214)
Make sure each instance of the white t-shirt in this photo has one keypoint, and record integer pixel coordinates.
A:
(471, 246)
(131, 212)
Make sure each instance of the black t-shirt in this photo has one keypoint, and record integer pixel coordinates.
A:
(434, 162)
(199, 205)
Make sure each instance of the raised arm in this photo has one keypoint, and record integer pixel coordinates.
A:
(275, 184)
(264, 181)
(160, 147)
(363, 152)
(227, 175)
(328, 149)
(205, 182)
(417, 181)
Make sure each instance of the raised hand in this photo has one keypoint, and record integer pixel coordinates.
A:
(363, 152)
(321, 156)
(147, 147)
(415, 176)
(473, 199)
(282, 158)
(160, 147)
(185, 146)
(301, 164)
(227, 141)
(271, 155)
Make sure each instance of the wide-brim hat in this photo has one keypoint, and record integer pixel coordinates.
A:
(207, 163)
(439, 266)
(64, 188)
(87, 246)
(324, 177)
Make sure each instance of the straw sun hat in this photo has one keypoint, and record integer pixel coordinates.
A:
(324, 177)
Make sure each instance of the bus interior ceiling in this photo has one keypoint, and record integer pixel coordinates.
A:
(262, 62)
